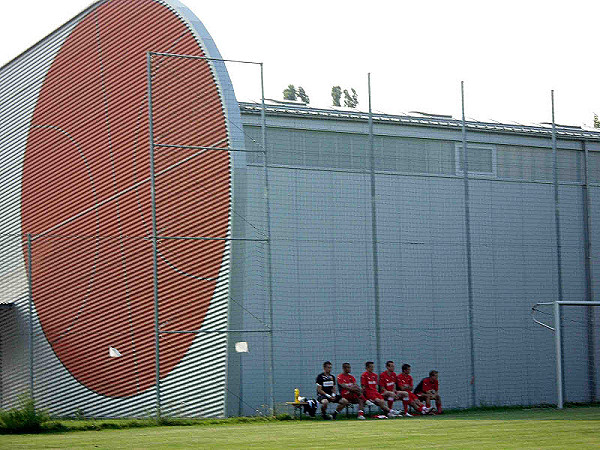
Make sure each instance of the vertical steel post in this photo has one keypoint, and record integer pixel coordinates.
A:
(30, 292)
(556, 203)
(558, 350)
(269, 255)
(557, 222)
(154, 238)
(465, 159)
(378, 359)
(589, 293)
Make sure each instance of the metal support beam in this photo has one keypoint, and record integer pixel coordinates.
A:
(378, 358)
(558, 350)
(154, 238)
(269, 255)
(557, 218)
(465, 158)
(556, 203)
(589, 290)
(30, 292)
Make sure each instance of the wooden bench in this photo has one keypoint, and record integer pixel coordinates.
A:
(298, 408)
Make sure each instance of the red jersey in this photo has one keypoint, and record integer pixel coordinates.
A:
(369, 382)
(405, 379)
(345, 378)
(429, 384)
(387, 381)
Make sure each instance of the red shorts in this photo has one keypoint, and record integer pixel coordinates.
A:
(353, 397)
(372, 395)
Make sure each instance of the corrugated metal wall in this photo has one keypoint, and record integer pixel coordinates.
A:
(323, 295)
(78, 222)
(76, 201)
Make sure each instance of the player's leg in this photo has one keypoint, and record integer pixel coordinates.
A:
(390, 397)
(324, 404)
(418, 406)
(438, 403)
(342, 403)
(381, 403)
(361, 406)
(427, 398)
(403, 395)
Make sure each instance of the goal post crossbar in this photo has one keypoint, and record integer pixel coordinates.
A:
(557, 339)
(573, 303)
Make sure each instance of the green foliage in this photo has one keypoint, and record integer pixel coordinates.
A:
(336, 95)
(596, 121)
(25, 418)
(351, 101)
(290, 93)
(79, 414)
(303, 95)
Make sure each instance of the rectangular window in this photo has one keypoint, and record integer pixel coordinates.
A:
(481, 159)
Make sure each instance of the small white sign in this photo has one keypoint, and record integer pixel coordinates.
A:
(241, 347)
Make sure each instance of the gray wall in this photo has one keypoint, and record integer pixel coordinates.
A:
(323, 295)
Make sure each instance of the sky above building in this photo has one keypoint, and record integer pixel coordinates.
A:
(510, 54)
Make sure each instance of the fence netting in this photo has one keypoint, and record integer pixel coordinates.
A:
(260, 251)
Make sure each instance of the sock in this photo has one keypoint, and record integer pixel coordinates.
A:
(390, 404)
(405, 403)
(439, 408)
(361, 412)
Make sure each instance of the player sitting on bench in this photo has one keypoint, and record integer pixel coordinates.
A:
(326, 392)
(405, 384)
(350, 391)
(428, 390)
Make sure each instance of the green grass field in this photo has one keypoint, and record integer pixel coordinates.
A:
(526, 428)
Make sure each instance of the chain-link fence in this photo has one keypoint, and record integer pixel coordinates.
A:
(206, 263)
(92, 292)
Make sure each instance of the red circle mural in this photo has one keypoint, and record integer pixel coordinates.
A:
(86, 195)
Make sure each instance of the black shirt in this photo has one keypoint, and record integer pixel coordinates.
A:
(327, 382)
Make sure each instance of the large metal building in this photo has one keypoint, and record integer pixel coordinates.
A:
(374, 262)
(166, 248)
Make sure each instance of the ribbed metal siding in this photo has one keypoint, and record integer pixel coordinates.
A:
(86, 142)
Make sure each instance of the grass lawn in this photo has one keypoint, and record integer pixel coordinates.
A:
(527, 428)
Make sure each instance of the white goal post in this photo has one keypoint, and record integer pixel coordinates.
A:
(557, 338)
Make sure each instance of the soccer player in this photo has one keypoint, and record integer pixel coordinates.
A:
(387, 384)
(405, 383)
(351, 391)
(326, 392)
(428, 390)
(368, 380)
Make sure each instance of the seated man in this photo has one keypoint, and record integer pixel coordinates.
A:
(326, 392)
(428, 390)
(405, 384)
(387, 385)
(368, 380)
(350, 391)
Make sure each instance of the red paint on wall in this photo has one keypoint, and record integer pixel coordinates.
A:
(93, 276)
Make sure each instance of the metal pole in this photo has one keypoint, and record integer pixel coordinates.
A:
(556, 202)
(374, 234)
(154, 240)
(269, 256)
(30, 289)
(465, 158)
(557, 219)
(558, 349)
(589, 294)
